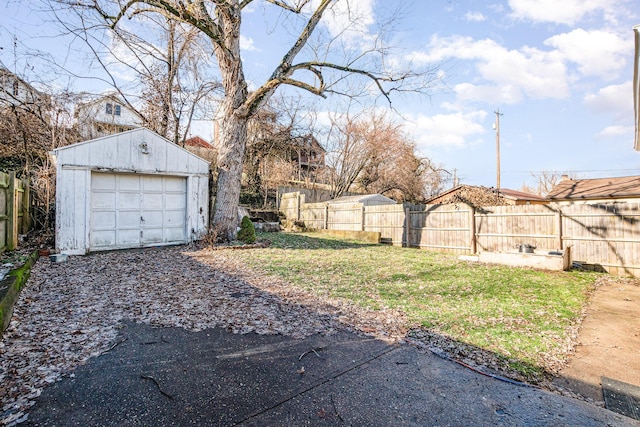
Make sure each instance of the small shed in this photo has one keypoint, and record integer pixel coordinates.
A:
(364, 199)
(128, 190)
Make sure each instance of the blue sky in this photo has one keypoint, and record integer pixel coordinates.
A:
(559, 71)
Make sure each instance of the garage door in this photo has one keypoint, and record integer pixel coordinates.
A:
(129, 211)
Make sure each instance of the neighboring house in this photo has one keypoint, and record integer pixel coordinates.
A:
(17, 92)
(483, 196)
(597, 190)
(308, 154)
(104, 116)
(198, 142)
(202, 148)
(128, 190)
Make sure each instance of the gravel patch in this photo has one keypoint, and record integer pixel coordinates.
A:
(71, 311)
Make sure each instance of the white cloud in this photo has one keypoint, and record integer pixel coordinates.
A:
(506, 94)
(474, 16)
(247, 44)
(452, 130)
(510, 73)
(597, 52)
(350, 20)
(616, 131)
(558, 12)
(613, 99)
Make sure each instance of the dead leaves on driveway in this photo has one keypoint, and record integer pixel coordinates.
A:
(69, 312)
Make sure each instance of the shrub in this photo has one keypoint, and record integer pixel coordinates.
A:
(247, 233)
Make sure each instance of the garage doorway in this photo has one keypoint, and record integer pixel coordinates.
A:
(132, 210)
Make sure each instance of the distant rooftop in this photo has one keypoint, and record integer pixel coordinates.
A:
(598, 188)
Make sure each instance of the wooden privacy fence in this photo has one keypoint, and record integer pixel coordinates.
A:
(602, 236)
(14, 210)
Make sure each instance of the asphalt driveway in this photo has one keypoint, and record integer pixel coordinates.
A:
(170, 376)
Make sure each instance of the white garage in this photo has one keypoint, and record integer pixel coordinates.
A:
(129, 190)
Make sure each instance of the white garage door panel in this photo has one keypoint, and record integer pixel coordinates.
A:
(174, 184)
(153, 201)
(103, 181)
(127, 238)
(174, 219)
(128, 200)
(130, 210)
(175, 201)
(174, 234)
(103, 200)
(107, 220)
(152, 219)
(104, 238)
(128, 182)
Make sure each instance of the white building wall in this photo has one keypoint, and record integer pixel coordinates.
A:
(93, 115)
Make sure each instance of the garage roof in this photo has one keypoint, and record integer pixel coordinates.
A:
(139, 150)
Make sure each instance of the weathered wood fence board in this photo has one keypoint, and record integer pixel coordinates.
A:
(14, 210)
(389, 220)
(499, 228)
(603, 236)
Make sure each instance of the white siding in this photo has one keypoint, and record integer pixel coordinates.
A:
(71, 212)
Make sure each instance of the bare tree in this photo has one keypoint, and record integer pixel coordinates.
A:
(348, 151)
(311, 70)
(372, 154)
(167, 62)
(33, 122)
(546, 181)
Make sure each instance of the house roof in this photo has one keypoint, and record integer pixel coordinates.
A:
(361, 198)
(196, 141)
(479, 195)
(309, 141)
(4, 73)
(598, 188)
(519, 195)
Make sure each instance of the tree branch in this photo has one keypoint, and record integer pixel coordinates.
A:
(296, 9)
(285, 63)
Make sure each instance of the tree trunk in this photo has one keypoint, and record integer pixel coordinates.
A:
(233, 139)
(231, 152)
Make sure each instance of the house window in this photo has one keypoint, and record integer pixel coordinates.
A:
(117, 112)
(109, 109)
(16, 87)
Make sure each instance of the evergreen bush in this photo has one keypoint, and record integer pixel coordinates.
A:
(247, 233)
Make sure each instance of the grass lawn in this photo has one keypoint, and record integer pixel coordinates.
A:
(521, 315)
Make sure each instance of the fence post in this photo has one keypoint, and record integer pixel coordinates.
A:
(559, 222)
(12, 214)
(298, 207)
(326, 216)
(472, 228)
(362, 218)
(26, 206)
(407, 220)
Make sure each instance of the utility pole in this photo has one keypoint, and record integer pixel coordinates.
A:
(496, 126)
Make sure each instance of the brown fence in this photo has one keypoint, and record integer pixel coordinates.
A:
(602, 236)
(14, 210)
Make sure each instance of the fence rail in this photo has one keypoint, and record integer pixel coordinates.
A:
(604, 236)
